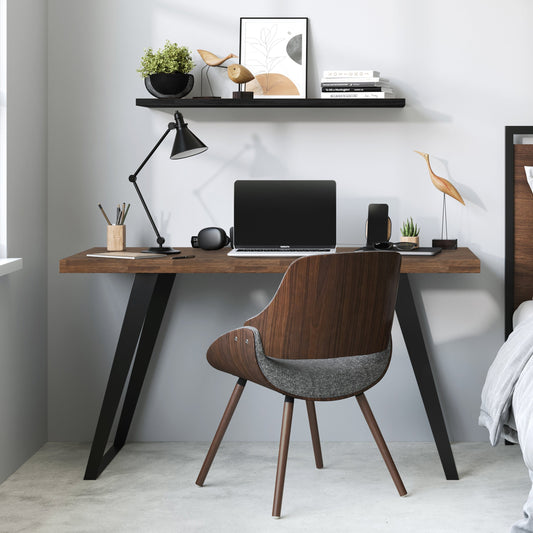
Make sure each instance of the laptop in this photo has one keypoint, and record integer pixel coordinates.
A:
(284, 218)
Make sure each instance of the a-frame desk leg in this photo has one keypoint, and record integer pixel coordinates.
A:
(142, 320)
(414, 341)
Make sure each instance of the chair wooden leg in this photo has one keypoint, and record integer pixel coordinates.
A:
(315, 437)
(282, 456)
(219, 435)
(380, 441)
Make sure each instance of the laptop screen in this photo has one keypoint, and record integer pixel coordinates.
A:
(285, 213)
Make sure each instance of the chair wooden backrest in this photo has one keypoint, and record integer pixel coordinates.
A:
(332, 305)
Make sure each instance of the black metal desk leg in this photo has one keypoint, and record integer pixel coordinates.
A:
(414, 341)
(144, 312)
(150, 330)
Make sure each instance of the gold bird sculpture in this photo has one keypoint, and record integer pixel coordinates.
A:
(213, 60)
(210, 60)
(239, 74)
(440, 183)
(447, 189)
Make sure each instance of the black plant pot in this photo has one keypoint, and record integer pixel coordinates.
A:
(169, 85)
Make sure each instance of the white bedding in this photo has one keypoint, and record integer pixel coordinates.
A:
(507, 398)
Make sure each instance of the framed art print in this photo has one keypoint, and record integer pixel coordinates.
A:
(275, 51)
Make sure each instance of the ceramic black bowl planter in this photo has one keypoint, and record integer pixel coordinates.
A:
(169, 85)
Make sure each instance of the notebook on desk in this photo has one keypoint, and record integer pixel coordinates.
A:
(284, 217)
(422, 251)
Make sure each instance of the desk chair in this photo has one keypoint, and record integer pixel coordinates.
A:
(325, 335)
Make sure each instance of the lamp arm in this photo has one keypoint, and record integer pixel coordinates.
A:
(133, 179)
(160, 240)
(170, 127)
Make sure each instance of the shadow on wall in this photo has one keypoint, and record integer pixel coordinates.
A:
(253, 156)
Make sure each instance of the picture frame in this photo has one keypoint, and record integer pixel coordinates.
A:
(275, 51)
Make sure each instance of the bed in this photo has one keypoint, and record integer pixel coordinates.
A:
(507, 396)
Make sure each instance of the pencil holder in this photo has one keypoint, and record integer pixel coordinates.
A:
(116, 238)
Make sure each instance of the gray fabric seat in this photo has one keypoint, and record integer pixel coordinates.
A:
(329, 378)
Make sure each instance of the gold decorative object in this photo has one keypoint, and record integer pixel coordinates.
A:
(446, 188)
(211, 60)
(443, 185)
(239, 74)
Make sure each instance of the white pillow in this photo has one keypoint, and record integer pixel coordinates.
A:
(529, 176)
(523, 312)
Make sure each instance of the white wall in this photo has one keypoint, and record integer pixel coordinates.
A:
(23, 323)
(462, 67)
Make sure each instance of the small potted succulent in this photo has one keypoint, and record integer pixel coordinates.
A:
(166, 71)
(410, 231)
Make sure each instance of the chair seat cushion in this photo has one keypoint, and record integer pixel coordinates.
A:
(317, 379)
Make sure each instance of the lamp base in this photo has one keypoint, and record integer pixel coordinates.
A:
(243, 95)
(445, 244)
(164, 250)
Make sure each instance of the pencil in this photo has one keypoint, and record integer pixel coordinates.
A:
(103, 213)
(125, 213)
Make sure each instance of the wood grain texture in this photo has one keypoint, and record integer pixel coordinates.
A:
(116, 238)
(381, 444)
(461, 260)
(239, 74)
(332, 305)
(212, 59)
(234, 353)
(443, 185)
(221, 431)
(315, 435)
(523, 224)
(286, 423)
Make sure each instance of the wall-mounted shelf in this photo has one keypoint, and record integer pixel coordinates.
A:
(267, 102)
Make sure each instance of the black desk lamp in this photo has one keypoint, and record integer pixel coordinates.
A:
(186, 144)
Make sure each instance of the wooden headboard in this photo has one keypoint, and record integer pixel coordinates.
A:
(518, 222)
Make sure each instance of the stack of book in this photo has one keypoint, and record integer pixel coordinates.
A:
(354, 84)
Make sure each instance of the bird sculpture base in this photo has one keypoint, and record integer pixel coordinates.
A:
(243, 95)
(445, 244)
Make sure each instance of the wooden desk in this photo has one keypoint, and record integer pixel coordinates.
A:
(216, 261)
(152, 284)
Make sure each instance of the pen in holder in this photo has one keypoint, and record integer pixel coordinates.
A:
(116, 237)
(116, 233)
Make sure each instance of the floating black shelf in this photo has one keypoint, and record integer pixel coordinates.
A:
(269, 102)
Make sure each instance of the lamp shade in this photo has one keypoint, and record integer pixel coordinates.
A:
(186, 143)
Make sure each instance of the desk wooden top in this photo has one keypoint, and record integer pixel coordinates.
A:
(461, 260)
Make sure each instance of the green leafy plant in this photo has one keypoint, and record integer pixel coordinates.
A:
(170, 58)
(409, 228)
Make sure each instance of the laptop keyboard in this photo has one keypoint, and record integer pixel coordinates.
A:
(276, 252)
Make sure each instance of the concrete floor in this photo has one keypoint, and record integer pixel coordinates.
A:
(149, 487)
